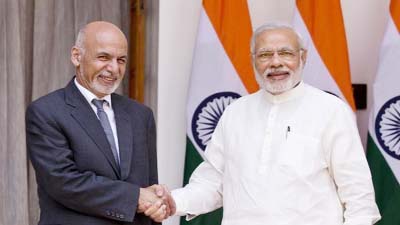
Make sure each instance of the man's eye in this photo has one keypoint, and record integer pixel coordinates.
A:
(286, 53)
(122, 61)
(265, 54)
(102, 57)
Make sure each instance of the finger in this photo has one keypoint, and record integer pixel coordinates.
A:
(166, 190)
(159, 215)
(167, 210)
(143, 206)
(167, 213)
(166, 197)
(146, 197)
(160, 191)
(153, 209)
(169, 201)
(172, 206)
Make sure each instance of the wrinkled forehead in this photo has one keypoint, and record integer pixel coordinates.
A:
(281, 38)
(106, 41)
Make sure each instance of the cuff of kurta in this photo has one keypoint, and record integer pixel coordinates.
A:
(362, 220)
(190, 217)
(181, 204)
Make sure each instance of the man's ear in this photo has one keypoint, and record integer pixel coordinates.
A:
(304, 57)
(75, 56)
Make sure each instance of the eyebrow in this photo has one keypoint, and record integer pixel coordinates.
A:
(108, 54)
(269, 49)
(103, 53)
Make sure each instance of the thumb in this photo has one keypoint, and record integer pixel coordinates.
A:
(159, 190)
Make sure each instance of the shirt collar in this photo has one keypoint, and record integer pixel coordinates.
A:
(89, 96)
(293, 93)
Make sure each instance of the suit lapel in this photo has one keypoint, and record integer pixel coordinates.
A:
(125, 135)
(85, 116)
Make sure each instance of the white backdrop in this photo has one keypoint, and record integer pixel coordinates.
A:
(365, 22)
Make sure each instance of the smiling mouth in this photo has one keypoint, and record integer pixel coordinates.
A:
(108, 80)
(278, 75)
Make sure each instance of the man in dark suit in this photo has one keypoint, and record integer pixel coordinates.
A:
(94, 151)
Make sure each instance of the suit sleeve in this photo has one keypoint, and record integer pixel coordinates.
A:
(59, 177)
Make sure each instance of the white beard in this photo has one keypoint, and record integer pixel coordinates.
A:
(279, 86)
(97, 86)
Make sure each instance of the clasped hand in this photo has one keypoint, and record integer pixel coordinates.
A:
(156, 202)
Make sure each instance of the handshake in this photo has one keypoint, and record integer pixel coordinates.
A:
(156, 202)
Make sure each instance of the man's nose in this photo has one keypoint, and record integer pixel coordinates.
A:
(276, 60)
(113, 66)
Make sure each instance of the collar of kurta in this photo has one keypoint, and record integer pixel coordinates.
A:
(292, 94)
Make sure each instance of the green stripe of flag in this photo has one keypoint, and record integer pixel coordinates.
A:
(192, 160)
(387, 189)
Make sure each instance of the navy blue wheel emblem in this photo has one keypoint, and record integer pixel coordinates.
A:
(207, 114)
(387, 127)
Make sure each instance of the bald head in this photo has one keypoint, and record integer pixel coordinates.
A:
(91, 32)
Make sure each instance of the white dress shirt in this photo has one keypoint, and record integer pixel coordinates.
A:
(289, 159)
(89, 96)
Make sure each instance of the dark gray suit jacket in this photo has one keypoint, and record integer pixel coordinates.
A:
(78, 181)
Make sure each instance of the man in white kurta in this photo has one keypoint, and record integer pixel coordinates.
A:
(288, 154)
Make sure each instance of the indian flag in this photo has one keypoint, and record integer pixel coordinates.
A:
(221, 73)
(320, 23)
(383, 148)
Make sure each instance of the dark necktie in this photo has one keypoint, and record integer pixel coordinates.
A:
(105, 123)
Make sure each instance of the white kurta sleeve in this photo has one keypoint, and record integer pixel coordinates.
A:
(203, 193)
(349, 168)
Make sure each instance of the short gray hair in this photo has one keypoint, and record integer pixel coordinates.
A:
(80, 39)
(274, 26)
